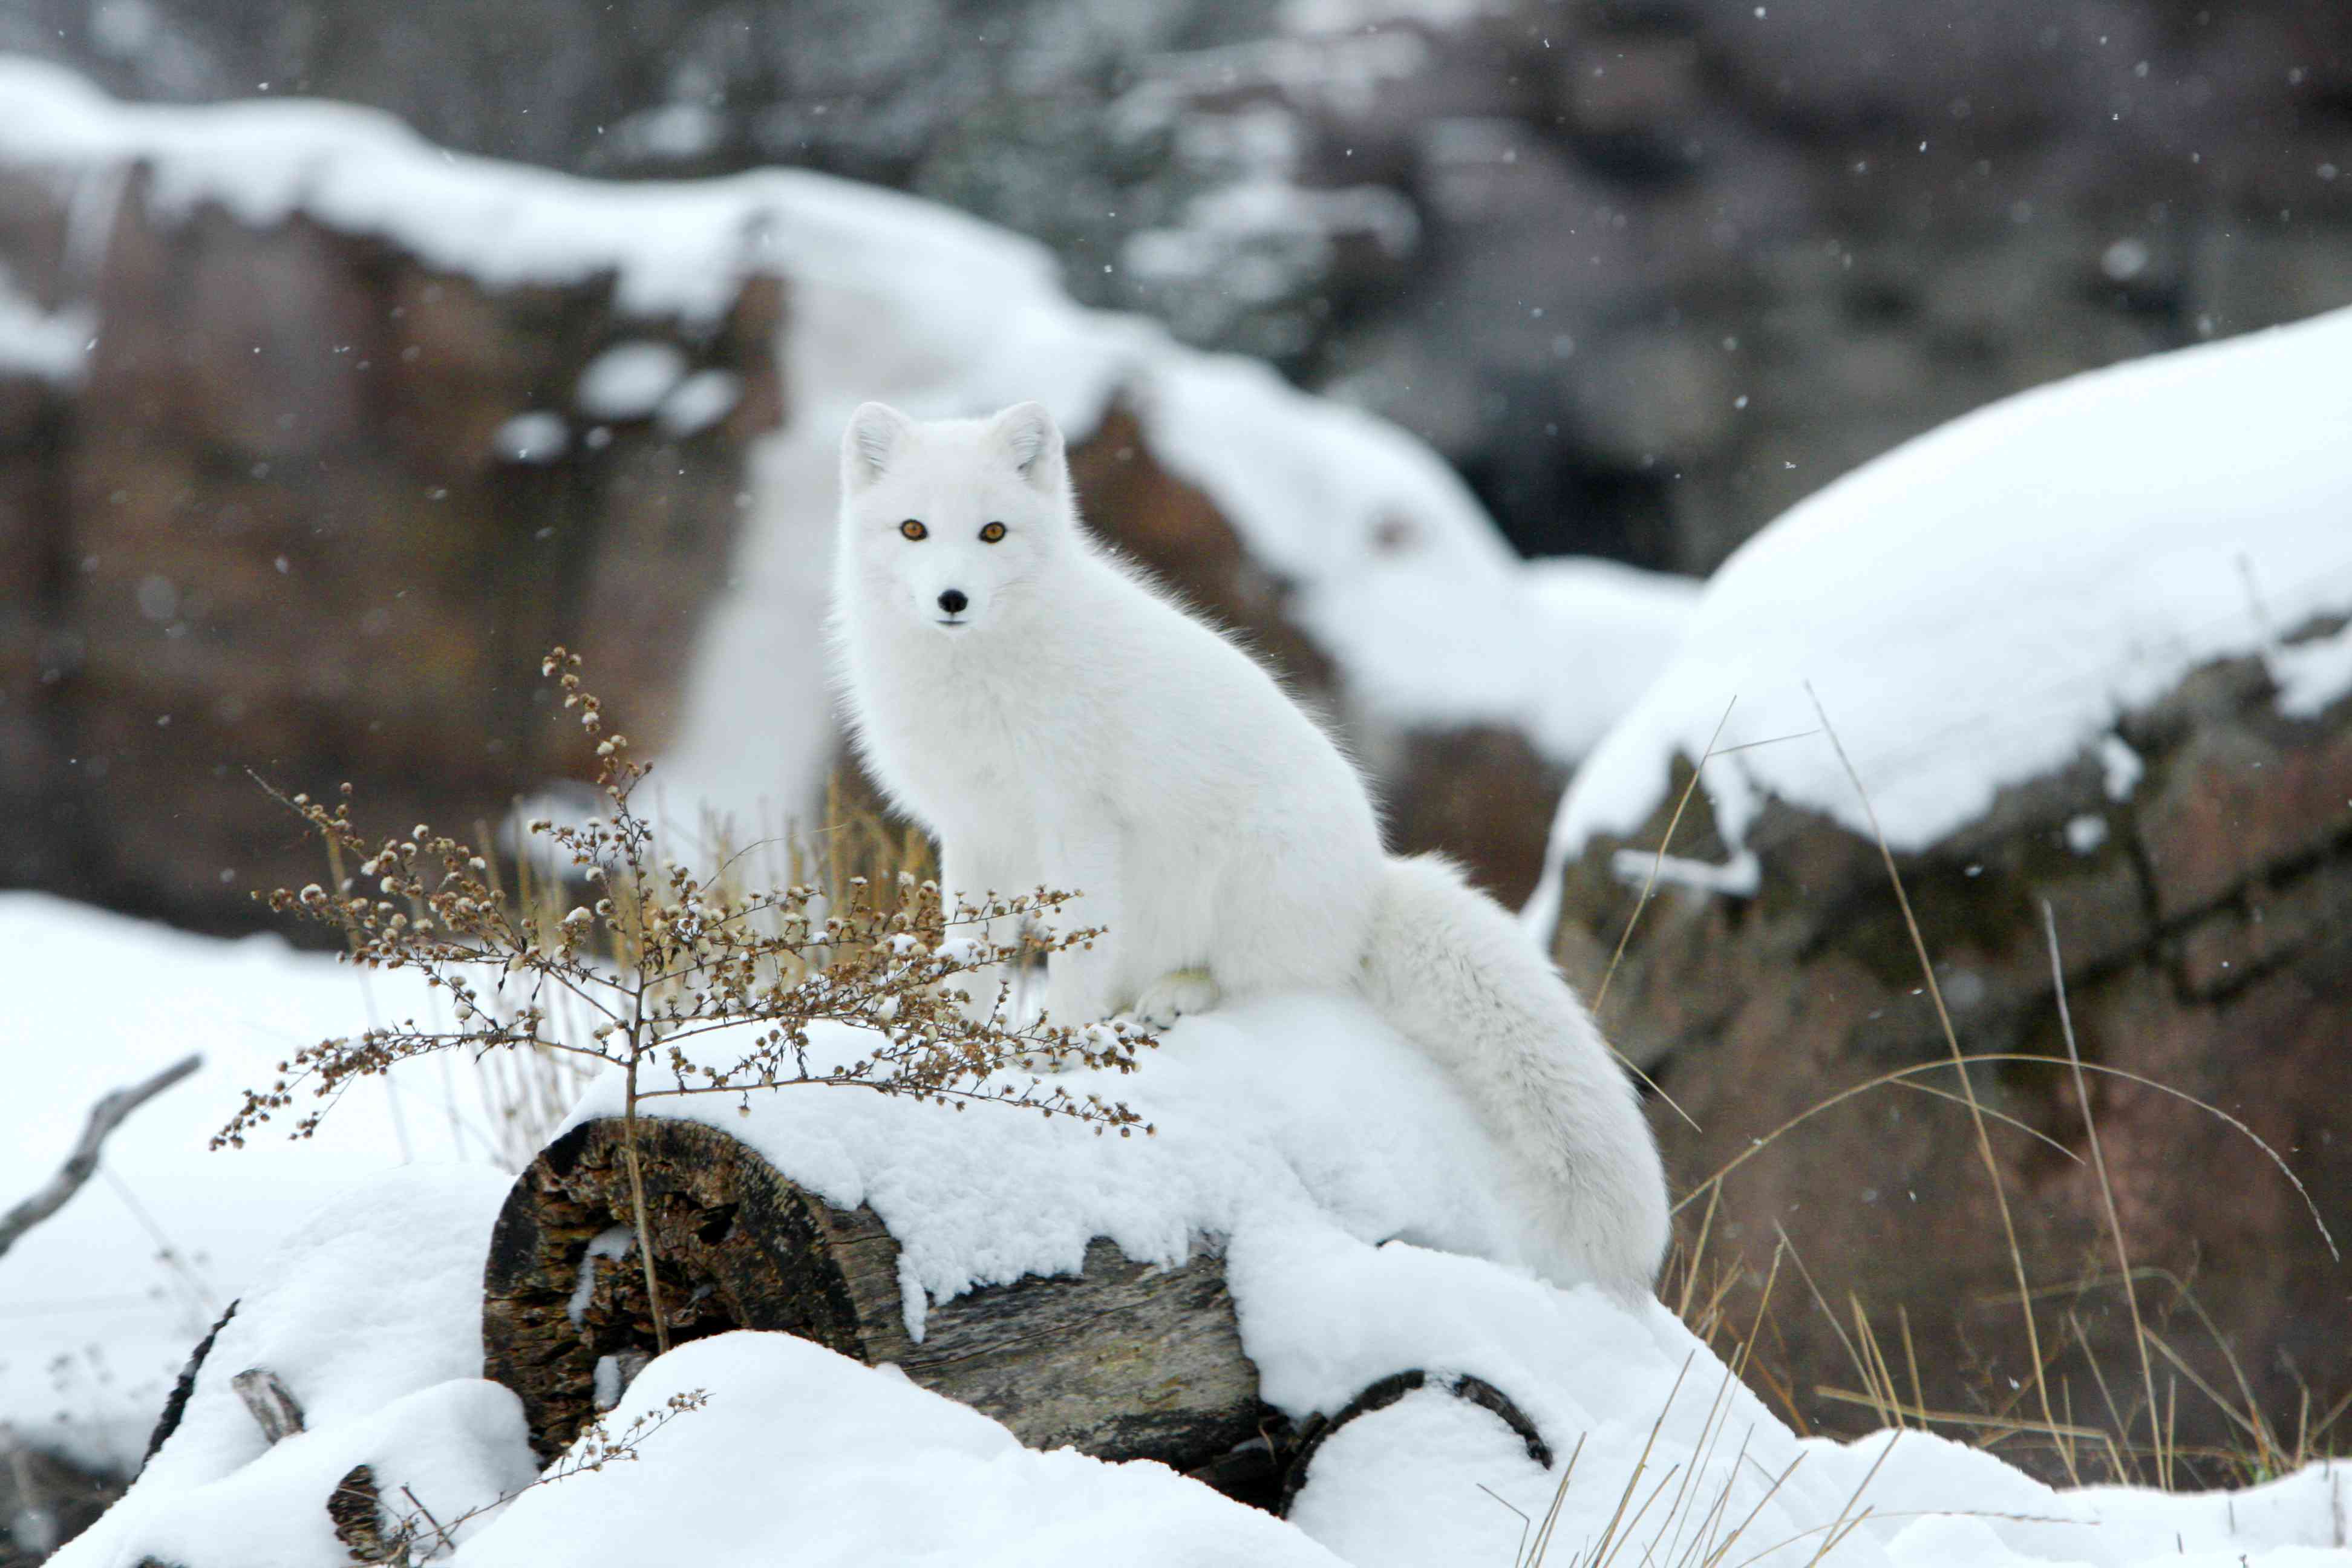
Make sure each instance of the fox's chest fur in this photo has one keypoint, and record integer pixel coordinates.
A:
(950, 740)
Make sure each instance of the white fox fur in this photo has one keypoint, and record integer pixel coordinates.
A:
(1055, 721)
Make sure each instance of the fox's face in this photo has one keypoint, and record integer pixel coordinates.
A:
(950, 522)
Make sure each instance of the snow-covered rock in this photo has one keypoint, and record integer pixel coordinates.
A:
(1977, 608)
(2087, 648)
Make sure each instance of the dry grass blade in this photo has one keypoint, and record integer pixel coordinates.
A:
(1723, 1548)
(1698, 1251)
(1910, 1357)
(1926, 1418)
(1861, 1368)
(1759, 1145)
(1649, 886)
(1830, 1543)
(1951, 1037)
(1615, 1541)
(1519, 1553)
(2106, 1196)
(1710, 1434)
(1633, 1479)
(2249, 1420)
(1558, 1497)
(1658, 863)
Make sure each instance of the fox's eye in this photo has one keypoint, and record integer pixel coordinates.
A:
(992, 533)
(913, 530)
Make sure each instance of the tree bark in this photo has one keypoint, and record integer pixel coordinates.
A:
(1124, 1360)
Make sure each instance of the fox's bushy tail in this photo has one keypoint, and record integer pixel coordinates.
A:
(1454, 973)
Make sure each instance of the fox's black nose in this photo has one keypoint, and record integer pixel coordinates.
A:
(954, 601)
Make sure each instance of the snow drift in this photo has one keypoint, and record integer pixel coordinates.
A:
(1334, 1165)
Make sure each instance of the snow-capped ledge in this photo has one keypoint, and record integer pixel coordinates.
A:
(1977, 607)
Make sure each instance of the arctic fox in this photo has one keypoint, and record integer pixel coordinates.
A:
(1055, 721)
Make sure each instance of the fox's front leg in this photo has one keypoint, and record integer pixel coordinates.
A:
(979, 873)
(1080, 979)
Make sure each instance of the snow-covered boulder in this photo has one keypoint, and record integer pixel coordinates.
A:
(2089, 646)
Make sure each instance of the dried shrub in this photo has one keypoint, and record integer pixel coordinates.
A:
(656, 956)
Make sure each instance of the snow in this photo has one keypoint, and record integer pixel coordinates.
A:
(2121, 768)
(535, 435)
(702, 400)
(1973, 609)
(1263, 1112)
(47, 345)
(674, 248)
(2086, 832)
(1656, 1411)
(99, 1324)
(1977, 607)
(370, 1313)
(1736, 878)
(2313, 675)
(1338, 1167)
(804, 1456)
(629, 380)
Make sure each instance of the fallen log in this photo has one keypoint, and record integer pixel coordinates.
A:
(1124, 1360)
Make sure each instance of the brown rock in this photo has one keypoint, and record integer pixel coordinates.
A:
(274, 530)
(2207, 946)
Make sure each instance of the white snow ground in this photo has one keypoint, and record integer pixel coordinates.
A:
(1397, 572)
(1297, 1129)
(98, 1325)
(1975, 607)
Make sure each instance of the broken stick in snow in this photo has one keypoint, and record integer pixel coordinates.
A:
(268, 1400)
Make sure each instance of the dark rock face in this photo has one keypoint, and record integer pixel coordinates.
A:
(2206, 923)
(1680, 265)
(46, 1499)
(283, 522)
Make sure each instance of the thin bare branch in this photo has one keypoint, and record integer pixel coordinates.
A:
(107, 1115)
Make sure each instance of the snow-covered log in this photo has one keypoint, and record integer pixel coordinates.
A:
(1123, 1360)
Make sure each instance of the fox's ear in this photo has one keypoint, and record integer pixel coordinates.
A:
(871, 444)
(1034, 442)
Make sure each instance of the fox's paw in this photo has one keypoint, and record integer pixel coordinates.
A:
(1174, 994)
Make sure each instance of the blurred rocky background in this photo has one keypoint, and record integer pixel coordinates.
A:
(1645, 271)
